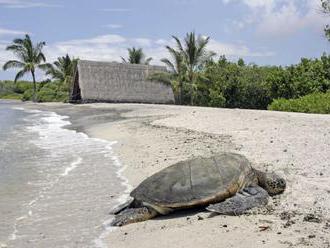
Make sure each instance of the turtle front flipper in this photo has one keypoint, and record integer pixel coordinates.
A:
(133, 215)
(250, 197)
(122, 206)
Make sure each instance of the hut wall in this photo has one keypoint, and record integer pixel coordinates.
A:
(116, 82)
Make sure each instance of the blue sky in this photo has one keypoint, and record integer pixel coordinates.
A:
(267, 32)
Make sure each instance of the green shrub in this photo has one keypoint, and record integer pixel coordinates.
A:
(46, 91)
(62, 96)
(6, 87)
(27, 95)
(22, 86)
(255, 87)
(217, 99)
(313, 103)
(52, 92)
(46, 95)
(12, 96)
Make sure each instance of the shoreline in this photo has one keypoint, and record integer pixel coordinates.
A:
(61, 123)
(152, 137)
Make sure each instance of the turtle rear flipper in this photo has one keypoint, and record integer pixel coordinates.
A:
(250, 197)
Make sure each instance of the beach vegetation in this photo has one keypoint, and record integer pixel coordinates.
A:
(313, 103)
(178, 72)
(187, 60)
(29, 58)
(63, 70)
(53, 92)
(196, 76)
(230, 84)
(27, 95)
(12, 96)
(136, 56)
(47, 91)
(12, 90)
(177, 75)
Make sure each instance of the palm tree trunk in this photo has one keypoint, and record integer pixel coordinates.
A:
(34, 87)
(191, 89)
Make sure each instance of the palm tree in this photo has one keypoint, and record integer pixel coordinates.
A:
(178, 69)
(30, 57)
(63, 69)
(136, 56)
(194, 55)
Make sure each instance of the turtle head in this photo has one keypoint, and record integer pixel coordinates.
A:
(271, 182)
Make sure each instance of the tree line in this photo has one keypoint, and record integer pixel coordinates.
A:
(196, 75)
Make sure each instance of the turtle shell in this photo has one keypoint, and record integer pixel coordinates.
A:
(195, 182)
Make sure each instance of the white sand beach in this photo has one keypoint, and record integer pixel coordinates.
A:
(296, 146)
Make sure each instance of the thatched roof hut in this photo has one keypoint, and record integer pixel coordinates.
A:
(116, 82)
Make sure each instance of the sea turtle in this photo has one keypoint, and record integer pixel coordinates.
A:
(224, 183)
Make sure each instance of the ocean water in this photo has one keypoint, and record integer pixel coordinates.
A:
(57, 186)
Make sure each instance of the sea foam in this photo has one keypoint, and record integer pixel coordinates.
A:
(68, 151)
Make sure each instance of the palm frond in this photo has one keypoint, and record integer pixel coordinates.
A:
(20, 74)
(13, 64)
(147, 61)
(46, 67)
(18, 41)
(39, 46)
(40, 58)
(178, 43)
(163, 77)
(63, 69)
(123, 60)
(169, 64)
(15, 48)
(136, 56)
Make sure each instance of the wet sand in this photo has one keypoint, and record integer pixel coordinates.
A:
(297, 146)
(60, 183)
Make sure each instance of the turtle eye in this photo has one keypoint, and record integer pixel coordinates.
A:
(282, 183)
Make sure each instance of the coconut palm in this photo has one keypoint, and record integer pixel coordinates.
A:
(136, 56)
(63, 69)
(178, 69)
(30, 57)
(193, 54)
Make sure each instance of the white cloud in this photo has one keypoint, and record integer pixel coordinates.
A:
(23, 4)
(236, 50)
(104, 48)
(143, 42)
(98, 40)
(161, 42)
(278, 18)
(4, 32)
(5, 55)
(284, 21)
(111, 47)
(253, 3)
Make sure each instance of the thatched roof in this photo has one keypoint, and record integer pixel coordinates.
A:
(117, 82)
